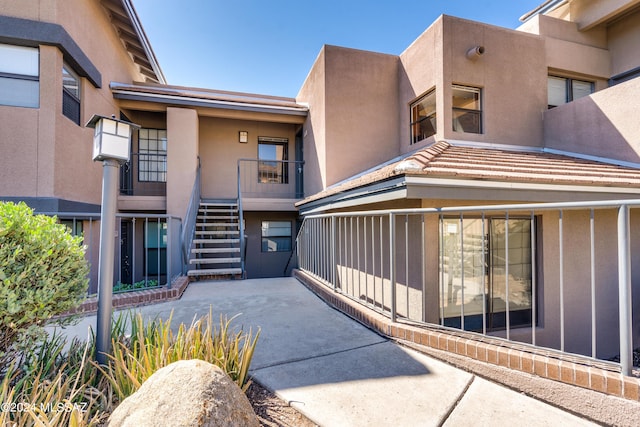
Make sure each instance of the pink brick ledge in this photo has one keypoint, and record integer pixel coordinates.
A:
(577, 371)
(138, 298)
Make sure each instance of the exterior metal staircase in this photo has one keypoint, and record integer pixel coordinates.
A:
(215, 250)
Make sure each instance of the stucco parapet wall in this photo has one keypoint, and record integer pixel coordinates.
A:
(198, 97)
(484, 162)
(568, 369)
(26, 32)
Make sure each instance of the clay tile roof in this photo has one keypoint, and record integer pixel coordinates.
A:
(443, 160)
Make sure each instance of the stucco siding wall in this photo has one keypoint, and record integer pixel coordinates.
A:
(60, 150)
(312, 93)
(512, 74)
(265, 264)
(601, 124)
(220, 150)
(624, 43)
(361, 111)
(182, 158)
(19, 147)
(420, 70)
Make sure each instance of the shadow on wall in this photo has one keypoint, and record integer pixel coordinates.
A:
(602, 124)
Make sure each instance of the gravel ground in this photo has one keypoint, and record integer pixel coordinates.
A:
(273, 411)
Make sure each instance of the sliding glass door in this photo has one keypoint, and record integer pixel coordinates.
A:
(485, 272)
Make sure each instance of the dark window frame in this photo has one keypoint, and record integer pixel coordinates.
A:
(419, 123)
(289, 237)
(153, 159)
(476, 115)
(71, 102)
(18, 77)
(273, 171)
(568, 88)
(496, 320)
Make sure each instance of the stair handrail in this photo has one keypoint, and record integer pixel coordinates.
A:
(241, 224)
(190, 218)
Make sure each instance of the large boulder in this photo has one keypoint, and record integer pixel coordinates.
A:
(186, 393)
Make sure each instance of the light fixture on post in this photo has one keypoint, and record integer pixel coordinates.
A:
(243, 136)
(111, 145)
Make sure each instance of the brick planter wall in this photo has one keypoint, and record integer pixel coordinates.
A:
(569, 369)
(138, 298)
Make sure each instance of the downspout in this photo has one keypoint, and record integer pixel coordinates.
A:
(243, 243)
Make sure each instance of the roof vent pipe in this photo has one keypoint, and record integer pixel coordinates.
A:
(475, 52)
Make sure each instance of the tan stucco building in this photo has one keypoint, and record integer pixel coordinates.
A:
(218, 182)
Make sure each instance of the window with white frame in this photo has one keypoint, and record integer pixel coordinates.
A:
(561, 90)
(19, 76)
(70, 94)
(152, 155)
(276, 236)
(423, 117)
(467, 109)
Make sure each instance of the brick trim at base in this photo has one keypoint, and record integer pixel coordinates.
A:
(569, 369)
(138, 298)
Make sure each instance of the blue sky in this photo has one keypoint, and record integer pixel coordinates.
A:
(268, 46)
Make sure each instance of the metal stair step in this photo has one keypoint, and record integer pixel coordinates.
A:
(214, 250)
(216, 217)
(217, 211)
(216, 233)
(205, 241)
(229, 203)
(214, 272)
(214, 260)
(216, 224)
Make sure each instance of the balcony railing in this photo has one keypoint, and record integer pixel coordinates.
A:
(144, 175)
(556, 276)
(270, 178)
(148, 250)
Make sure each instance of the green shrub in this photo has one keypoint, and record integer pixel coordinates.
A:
(43, 273)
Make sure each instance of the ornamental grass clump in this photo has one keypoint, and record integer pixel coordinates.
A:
(55, 386)
(154, 345)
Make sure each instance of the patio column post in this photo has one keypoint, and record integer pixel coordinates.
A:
(624, 290)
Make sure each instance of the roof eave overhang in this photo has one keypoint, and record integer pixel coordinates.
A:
(206, 103)
(382, 191)
(125, 20)
(509, 185)
(423, 187)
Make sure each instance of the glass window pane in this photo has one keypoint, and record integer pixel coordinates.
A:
(556, 91)
(467, 121)
(474, 272)
(19, 60)
(19, 93)
(466, 97)
(267, 152)
(70, 82)
(423, 117)
(580, 89)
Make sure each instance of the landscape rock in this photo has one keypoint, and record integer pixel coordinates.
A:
(186, 393)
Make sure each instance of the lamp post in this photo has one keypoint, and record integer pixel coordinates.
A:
(111, 145)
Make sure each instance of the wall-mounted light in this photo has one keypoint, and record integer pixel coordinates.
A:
(243, 136)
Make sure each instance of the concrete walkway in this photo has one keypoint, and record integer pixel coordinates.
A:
(339, 373)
